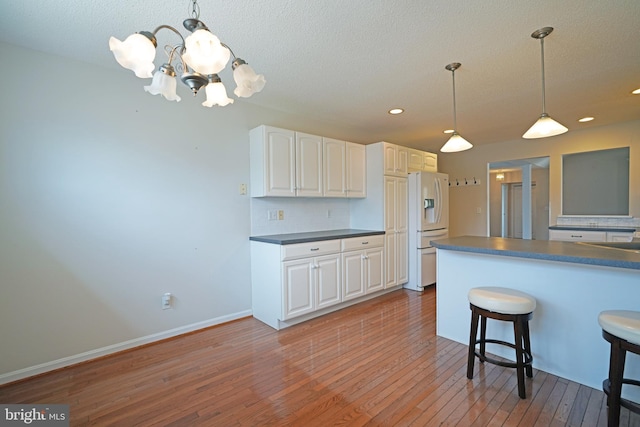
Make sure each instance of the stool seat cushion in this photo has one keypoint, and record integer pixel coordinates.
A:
(623, 324)
(502, 300)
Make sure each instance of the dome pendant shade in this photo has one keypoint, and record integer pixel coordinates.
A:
(545, 126)
(456, 143)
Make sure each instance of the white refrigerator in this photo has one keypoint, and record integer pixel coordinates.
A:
(428, 220)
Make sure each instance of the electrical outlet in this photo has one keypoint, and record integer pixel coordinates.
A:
(280, 215)
(243, 189)
(166, 301)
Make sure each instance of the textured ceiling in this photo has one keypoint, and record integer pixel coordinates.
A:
(345, 63)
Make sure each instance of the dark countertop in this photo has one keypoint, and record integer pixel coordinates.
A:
(314, 236)
(623, 229)
(543, 250)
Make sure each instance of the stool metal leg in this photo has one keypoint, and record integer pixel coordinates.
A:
(616, 372)
(517, 328)
(527, 345)
(472, 342)
(483, 337)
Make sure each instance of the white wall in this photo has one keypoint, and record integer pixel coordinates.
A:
(464, 219)
(110, 197)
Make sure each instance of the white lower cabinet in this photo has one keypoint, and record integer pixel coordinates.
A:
(362, 266)
(297, 280)
(310, 284)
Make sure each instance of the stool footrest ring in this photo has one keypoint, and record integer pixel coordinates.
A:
(528, 358)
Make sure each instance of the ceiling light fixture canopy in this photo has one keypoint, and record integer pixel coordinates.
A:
(199, 58)
(456, 142)
(545, 126)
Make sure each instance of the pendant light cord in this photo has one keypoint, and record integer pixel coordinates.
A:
(544, 110)
(455, 125)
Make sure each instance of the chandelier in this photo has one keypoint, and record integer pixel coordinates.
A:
(199, 58)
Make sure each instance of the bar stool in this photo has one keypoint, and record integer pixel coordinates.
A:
(622, 329)
(506, 305)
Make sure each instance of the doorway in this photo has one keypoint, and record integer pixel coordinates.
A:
(519, 198)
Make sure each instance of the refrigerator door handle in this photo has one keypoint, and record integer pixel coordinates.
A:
(439, 199)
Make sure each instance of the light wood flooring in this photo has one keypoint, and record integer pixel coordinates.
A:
(379, 363)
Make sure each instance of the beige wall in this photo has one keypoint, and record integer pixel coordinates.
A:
(464, 204)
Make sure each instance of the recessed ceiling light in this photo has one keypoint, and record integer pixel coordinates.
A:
(448, 131)
(396, 111)
(585, 119)
(636, 92)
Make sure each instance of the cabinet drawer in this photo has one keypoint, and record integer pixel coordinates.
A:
(357, 243)
(303, 250)
(578, 235)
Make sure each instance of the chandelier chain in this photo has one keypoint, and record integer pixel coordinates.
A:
(195, 9)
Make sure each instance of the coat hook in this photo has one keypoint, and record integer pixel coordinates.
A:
(474, 180)
(457, 183)
(465, 181)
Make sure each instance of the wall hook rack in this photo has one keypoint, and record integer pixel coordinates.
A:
(463, 182)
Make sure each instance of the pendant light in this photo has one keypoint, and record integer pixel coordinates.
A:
(456, 142)
(545, 126)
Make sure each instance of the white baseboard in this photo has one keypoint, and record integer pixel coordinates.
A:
(114, 348)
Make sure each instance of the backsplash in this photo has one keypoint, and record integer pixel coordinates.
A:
(299, 215)
(598, 221)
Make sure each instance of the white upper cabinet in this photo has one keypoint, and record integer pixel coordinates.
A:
(334, 168)
(356, 170)
(273, 162)
(308, 165)
(422, 161)
(396, 160)
(429, 162)
(285, 163)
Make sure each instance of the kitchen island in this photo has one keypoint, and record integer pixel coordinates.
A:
(572, 283)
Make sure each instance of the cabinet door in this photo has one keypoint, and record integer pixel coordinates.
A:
(356, 170)
(334, 167)
(308, 165)
(390, 245)
(619, 236)
(352, 275)
(374, 270)
(402, 161)
(298, 288)
(402, 259)
(327, 279)
(430, 162)
(389, 203)
(402, 204)
(389, 158)
(280, 162)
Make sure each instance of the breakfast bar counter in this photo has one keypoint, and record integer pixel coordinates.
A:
(572, 283)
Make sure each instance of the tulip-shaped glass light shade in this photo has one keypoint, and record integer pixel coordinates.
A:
(216, 95)
(136, 53)
(164, 83)
(247, 81)
(544, 127)
(204, 53)
(456, 143)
